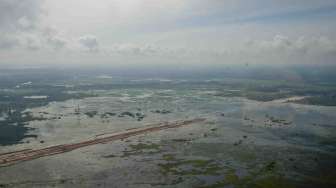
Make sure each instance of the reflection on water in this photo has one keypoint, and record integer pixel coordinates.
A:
(243, 142)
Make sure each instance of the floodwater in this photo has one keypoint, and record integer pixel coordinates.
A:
(242, 143)
(36, 97)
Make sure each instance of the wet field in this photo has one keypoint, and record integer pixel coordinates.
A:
(242, 143)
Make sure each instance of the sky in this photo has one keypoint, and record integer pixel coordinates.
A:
(166, 32)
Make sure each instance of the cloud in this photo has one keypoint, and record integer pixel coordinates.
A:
(19, 15)
(279, 49)
(301, 45)
(165, 16)
(90, 42)
(181, 31)
(21, 26)
(8, 42)
(57, 42)
(282, 49)
(54, 38)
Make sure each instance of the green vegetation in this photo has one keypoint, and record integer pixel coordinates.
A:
(107, 115)
(268, 90)
(91, 114)
(266, 177)
(190, 167)
(138, 116)
(318, 100)
(161, 111)
(168, 157)
(271, 120)
(141, 148)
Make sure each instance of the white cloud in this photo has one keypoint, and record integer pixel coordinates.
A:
(32, 42)
(17, 14)
(8, 42)
(89, 41)
(54, 38)
(21, 27)
(281, 50)
(57, 42)
(160, 31)
(299, 46)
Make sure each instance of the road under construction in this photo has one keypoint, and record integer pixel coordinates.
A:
(11, 158)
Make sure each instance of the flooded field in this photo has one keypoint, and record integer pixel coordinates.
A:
(241, 143)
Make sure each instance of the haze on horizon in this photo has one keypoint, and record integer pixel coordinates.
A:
(150, 32)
